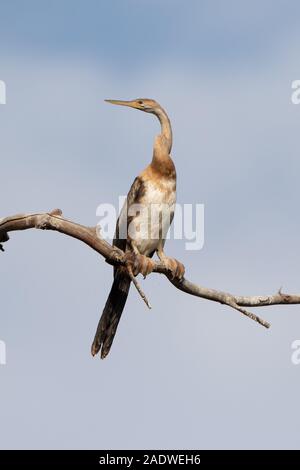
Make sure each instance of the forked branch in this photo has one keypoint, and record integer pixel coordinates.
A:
(91, 236)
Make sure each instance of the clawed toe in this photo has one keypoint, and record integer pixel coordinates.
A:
(180, 270)
(176, 268)
(146, 265)
(139, 264)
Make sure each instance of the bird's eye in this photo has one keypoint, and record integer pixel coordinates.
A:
(140, 102)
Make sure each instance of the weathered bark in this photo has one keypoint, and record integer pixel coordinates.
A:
(91, 236)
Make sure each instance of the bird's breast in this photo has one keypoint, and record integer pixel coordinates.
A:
(153, 215)
(162, 192)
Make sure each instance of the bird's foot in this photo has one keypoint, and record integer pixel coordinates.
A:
(139, 263)
(176, 268)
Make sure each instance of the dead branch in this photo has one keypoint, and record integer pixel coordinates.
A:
(91, 236)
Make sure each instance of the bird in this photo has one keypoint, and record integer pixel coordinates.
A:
(142, 225)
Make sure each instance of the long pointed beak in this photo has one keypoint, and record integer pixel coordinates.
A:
(131, 104)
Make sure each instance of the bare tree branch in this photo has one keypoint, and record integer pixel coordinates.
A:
(91, 236)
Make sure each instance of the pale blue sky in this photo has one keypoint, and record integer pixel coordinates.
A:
(188, 374)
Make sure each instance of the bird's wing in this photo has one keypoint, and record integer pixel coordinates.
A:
(116, 301)
(134, 196)
(118, 295)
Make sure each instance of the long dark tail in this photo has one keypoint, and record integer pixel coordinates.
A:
(111, 315)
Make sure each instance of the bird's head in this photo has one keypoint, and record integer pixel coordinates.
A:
(143, 104)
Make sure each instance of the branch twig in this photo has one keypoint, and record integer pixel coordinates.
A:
(91, 236)
(138, 287)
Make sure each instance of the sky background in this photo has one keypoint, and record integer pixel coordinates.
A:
(189, 373)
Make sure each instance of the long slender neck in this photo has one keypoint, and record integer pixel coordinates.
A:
(166, 129)
(161, 161)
